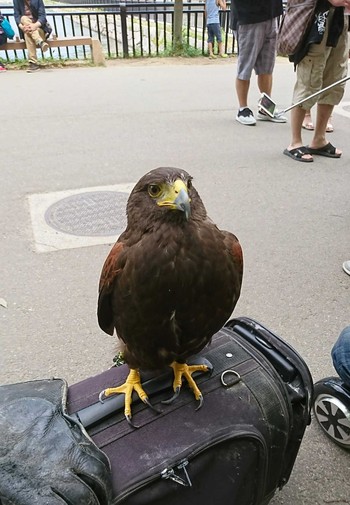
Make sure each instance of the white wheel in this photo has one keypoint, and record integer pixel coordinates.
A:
(332, 415)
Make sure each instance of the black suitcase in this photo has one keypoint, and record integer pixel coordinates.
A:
(238, 449)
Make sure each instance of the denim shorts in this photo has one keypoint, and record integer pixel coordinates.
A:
(341, 355)
(214, 30)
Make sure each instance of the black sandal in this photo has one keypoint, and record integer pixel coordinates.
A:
(298, 153)
(328, 150)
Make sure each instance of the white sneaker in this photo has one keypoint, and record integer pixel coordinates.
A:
(246, 117)
(277, 117)
(346, 267)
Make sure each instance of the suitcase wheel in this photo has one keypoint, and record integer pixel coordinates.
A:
(332, 409)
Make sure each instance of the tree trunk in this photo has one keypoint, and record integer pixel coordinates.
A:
(178, 17)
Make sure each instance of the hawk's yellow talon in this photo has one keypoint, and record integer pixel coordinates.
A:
(132, 383)
(183, 370)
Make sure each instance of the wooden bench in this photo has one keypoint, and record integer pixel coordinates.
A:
(95, 45)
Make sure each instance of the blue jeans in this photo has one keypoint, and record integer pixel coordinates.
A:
(341, 355)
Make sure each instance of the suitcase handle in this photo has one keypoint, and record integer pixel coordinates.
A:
(285, 369)
(113, 405)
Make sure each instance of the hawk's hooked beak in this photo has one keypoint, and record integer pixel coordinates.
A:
(176, 197)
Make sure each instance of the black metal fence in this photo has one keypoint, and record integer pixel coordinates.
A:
(130, 28)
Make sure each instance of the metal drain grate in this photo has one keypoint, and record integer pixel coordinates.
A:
(91, 214)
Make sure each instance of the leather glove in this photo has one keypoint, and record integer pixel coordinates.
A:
(46, 458)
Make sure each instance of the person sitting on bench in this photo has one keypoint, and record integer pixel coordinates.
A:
(30, 16)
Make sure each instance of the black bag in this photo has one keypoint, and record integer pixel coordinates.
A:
(47, 29)
(237, 449)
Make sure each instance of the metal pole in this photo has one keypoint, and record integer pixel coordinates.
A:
(124, 29)
(314, 94)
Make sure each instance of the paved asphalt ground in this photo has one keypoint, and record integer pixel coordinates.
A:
(73, 128)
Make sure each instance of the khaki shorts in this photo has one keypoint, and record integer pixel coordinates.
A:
(321, 67)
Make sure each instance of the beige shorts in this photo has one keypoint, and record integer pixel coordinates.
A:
(321, 67)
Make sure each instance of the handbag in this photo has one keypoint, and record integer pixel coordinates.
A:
(8, 30)
(295, 25)
(47, 29)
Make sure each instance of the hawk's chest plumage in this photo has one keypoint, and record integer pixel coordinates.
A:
(171, 267)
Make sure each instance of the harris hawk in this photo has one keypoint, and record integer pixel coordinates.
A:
(169, 283)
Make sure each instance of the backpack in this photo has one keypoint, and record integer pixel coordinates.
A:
(295, 25)
(7, 28)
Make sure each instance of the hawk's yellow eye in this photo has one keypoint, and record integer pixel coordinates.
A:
(154, 190)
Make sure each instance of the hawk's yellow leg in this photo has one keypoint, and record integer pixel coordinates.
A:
(182, 370)
(132, 383)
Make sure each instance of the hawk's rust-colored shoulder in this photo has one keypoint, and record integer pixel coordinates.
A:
(233, 244)
(235, 249)
(110, 269)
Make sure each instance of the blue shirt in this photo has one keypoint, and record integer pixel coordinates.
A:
(212, 11)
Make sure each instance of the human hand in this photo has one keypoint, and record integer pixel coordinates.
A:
(33, 27)
(29, 28)
(340, 3)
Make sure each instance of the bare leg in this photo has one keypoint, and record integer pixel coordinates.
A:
(210, 49)
(324, 112)
(221, 49)
(265, 83)
(297, 118)
(329, 128)
(242, 88)
(307, 123)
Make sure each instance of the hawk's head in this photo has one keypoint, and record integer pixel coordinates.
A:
(165, 194)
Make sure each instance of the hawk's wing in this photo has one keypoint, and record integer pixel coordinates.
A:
(235, 249)
(110, 271)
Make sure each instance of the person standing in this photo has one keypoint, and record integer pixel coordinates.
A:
(254, 23)
(308, 124)
(213, 26)
(31, 19)
(341, 355)
(321, 61)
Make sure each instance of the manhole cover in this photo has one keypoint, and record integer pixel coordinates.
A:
(93, 214)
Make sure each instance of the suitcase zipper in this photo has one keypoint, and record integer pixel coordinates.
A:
(171, 473)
